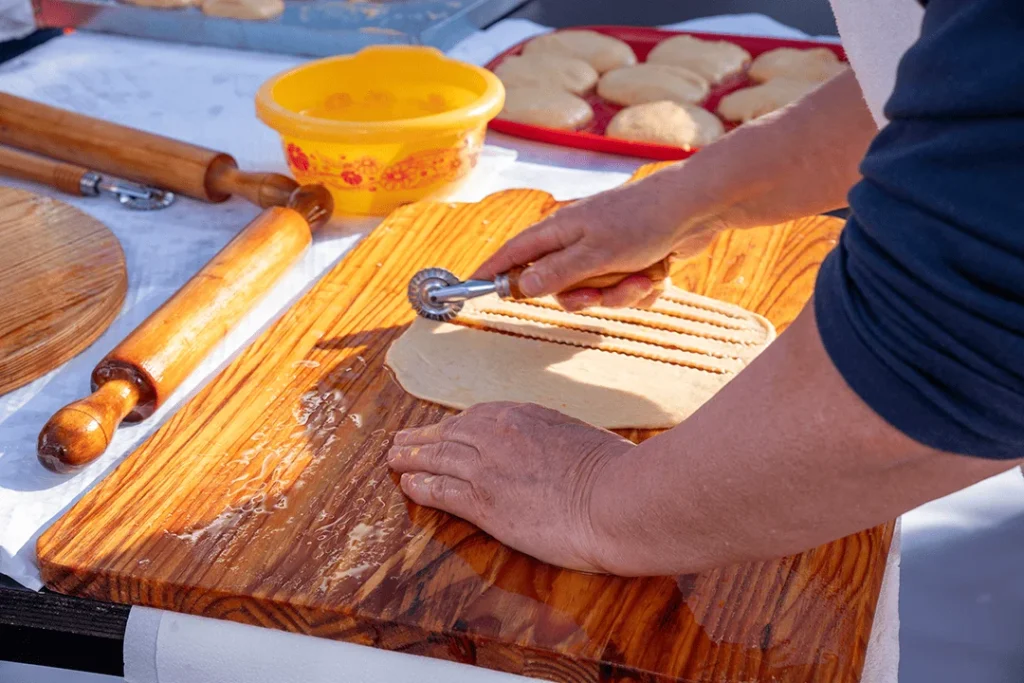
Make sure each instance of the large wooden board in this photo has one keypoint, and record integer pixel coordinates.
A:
(267, 500)
(62, 279)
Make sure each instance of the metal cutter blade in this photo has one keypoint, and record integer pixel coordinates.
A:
(420, 287)
(130, 195)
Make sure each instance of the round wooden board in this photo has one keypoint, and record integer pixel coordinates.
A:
(62, 279)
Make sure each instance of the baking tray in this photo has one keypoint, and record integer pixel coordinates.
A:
(313, 28)
(643, 40)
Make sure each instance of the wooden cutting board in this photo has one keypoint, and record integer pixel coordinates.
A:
(267, 500)
(63, 279)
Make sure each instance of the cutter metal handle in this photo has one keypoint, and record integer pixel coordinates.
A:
(437, 294)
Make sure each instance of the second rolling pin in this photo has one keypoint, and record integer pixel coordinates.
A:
(144, 369)
(129, 153)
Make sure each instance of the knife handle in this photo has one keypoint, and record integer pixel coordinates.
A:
(656, 273)
(24, 166)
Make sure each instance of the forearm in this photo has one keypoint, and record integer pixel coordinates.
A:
(786, 457)
(796, 162)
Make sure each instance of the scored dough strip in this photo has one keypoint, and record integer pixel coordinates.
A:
(627, 332)
(674, 321)
(546, 332)
(671, 300)
(614, 329)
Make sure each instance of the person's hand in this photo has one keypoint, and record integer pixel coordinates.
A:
(748, 178)
(623, 230)
(522, 473)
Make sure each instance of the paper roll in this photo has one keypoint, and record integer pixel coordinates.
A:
(165, 647)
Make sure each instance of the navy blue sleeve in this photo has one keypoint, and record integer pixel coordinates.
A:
(921, 305)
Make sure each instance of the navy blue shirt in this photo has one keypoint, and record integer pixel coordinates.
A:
(921, 305)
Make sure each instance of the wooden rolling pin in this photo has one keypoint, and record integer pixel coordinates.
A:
(135, 155)
(136, 377)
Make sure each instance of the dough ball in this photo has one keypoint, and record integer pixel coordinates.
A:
(602, 52)
(652, 83)
(546, 107)
(816, 64)
(749, 103)
(246, 10)
(715, 60)
(666, 123)
(547, 71)
(162, 4)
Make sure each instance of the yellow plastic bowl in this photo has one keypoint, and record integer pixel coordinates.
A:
(384, 127)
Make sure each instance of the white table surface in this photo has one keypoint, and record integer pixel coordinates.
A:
(962, 594)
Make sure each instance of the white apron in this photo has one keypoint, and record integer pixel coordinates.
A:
(875, 34)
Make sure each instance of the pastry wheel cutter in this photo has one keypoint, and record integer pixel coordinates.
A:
(437, 294)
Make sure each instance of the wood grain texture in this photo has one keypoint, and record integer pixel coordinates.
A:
(267, 499)
(63, 279)
(138, 375)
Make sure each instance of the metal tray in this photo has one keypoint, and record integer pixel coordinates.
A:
(313, 28)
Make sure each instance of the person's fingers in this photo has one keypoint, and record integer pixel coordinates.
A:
(629, 292)
(447, 457)
(649, 300)
(560, 270)
(450, 494)
(536, 241)
(579, 299)
(435, 433)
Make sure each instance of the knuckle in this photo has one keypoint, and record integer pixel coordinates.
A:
(483, 496)
(442, 452)
(531, 410)
(518, 249)
(510, 415)
(566, 230)
(439, 489)
(495, 409)
(449, 427)
(556, 271)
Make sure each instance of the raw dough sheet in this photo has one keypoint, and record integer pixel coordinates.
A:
(615, 369)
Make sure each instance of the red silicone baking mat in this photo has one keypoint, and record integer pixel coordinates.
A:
(642, 40)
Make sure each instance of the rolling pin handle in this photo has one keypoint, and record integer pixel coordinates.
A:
(80, 432)
(68, 178)
(223, 178)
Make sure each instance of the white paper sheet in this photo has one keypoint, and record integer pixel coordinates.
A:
(164, 647)
(16, 19)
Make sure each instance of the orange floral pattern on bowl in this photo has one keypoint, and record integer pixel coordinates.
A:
(419, 170)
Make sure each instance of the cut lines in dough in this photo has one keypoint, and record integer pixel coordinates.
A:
(693, 303)
(602, 341)
(644, 334)
(670, 322)
(614, 368)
